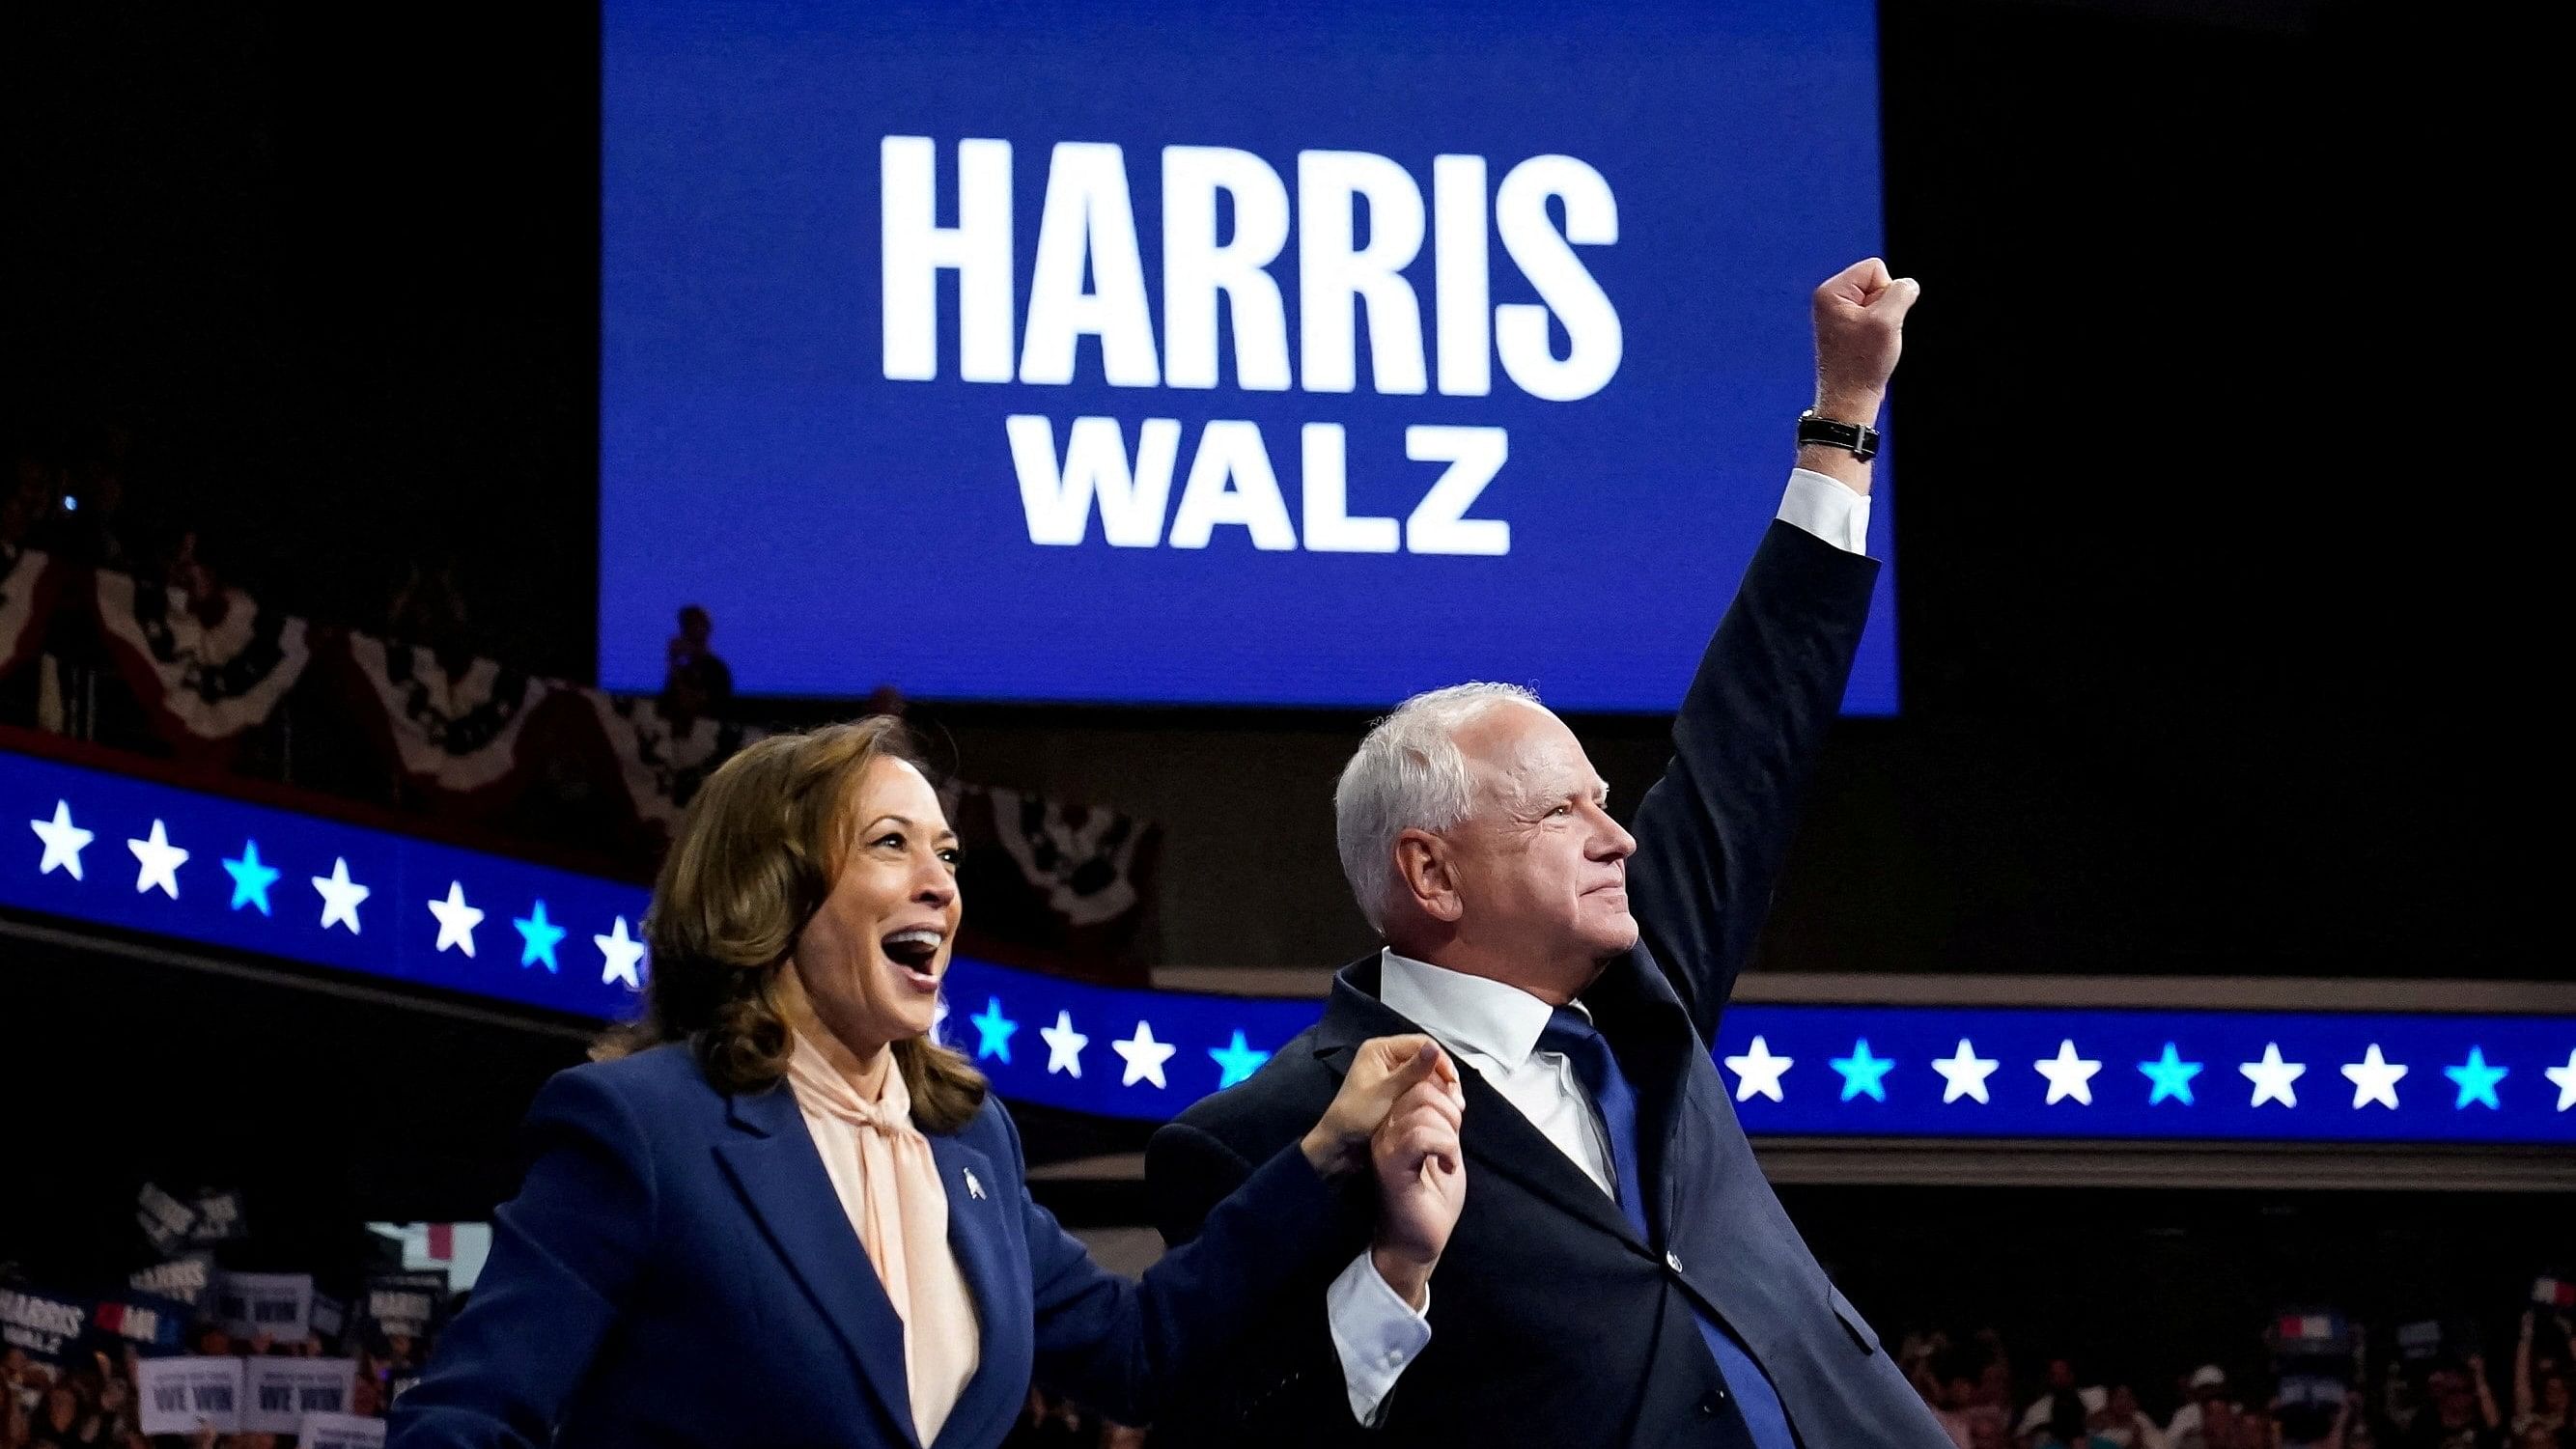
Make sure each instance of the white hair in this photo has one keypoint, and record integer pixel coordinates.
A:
(1408, 774)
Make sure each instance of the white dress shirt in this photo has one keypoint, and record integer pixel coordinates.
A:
(1493, 1030)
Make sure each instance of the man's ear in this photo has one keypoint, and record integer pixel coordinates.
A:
(1423, 865)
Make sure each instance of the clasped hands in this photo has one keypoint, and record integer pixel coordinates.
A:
(1397, 1117)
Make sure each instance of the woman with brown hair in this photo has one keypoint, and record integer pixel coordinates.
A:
(776, 1212)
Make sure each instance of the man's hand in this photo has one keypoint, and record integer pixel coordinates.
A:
(1421, 1184)
(1383, 1070)
(1860, 329)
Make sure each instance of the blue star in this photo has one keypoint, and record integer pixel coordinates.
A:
(1863, 1072)
(2477, 1081)
(538, 937)
(251, 879)
(993, 1031)
(1236, 1060)
(2171, 1075)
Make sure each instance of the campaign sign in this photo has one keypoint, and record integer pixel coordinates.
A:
(340, 1431)
(145, 1320)
(41, 1324)
(405, 1303)
(182, 1280)
(280, 1392)
(1277, 355)
(177, 1395)
(168, 1222)
(279, 1305)
(219, 1218)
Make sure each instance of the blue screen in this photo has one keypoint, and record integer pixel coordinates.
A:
(1229, 354)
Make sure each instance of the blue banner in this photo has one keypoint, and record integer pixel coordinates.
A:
(112, 850)
(137, 855)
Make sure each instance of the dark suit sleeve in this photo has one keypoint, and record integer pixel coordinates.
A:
(1282, 1385)
(1123, 1346)
(565, 1253)
(1713, 830)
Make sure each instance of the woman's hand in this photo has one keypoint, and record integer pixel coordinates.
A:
(1383, 1070)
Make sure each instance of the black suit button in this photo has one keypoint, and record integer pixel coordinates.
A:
(1711, 1402)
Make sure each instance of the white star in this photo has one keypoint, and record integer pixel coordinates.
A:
(2374, 1079)
(456, 920)
(2272, 1077)
(340, 896)
(939, 1018)
(1966, 1073)
(159, 861)
(1145, 1057)
(1758, 1072)
(2565, 1077)
(63, 840)
(2068, 1074)
(619, 954)
(1064, 1046)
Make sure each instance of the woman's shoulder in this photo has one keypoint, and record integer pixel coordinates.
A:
(658, 1079)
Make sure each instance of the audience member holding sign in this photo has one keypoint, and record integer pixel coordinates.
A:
(778, 1212)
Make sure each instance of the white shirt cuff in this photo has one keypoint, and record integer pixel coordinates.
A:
(1827, 509)
(1375, 1333)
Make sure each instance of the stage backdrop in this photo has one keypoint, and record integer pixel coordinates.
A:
(1228, 354)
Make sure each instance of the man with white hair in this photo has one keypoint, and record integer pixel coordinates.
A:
(1621, 1274)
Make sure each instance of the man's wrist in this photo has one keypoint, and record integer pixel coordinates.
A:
(1410, 1278)
(1849, 405)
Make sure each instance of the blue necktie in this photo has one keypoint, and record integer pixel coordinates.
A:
(1584, 1046)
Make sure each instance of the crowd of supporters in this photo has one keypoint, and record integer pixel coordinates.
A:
(2330, 1385)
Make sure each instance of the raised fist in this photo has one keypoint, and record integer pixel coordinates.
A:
(1860, 329)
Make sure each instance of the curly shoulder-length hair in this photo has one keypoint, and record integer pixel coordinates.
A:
(755, 857)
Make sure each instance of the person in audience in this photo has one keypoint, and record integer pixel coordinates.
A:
(2125, 1424)
(2461, 1413)
(2068, 1419)
(2207, 1387)
(2035, 1415)
(1956, 1375)
(777, 1211)
(698, 682)
(2540, 1384)
(65, 1422)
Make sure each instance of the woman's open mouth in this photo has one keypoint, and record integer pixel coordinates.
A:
(915, 954)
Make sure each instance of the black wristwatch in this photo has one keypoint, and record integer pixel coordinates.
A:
(1858, 439)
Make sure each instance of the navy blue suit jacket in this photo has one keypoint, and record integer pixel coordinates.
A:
(1553, 1322)
(677, 1270)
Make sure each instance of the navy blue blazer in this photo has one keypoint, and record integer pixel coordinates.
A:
(677, 1269)
(1553, 1322)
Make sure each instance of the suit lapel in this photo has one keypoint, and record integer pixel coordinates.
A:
(1494, 1133)
(975, 1236)
(774, 1166)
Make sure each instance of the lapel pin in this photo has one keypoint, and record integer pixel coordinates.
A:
(973, 1188)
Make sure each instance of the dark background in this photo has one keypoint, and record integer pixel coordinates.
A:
(2223, 556)
(2226, 522)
